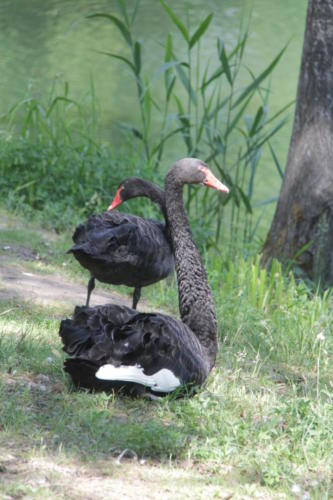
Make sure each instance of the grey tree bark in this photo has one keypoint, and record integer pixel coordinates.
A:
(302, 228)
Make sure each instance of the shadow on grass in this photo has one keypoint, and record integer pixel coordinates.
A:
(39, 403)
(86, 425)
(249, 406)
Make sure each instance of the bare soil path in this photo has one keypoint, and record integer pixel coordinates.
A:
(17, 281)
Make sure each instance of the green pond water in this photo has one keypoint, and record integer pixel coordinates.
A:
(44, 39)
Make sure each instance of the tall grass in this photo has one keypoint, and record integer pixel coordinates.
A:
(56, 119)
(204, 104)
(52, 164)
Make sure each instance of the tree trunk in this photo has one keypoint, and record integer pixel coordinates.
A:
(302, 228)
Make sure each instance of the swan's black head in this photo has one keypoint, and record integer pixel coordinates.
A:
(194, 171)
(133, 187)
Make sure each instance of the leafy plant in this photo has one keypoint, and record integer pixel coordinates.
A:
(53, 167)
(204, 105)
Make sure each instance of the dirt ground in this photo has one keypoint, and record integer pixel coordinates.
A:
(129, 479)
(16, 280)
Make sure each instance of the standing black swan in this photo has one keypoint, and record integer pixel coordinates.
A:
(123, 249)
(113, 347)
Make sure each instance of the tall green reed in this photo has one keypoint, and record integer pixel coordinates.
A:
(52, 163)
(205, 105)
(57, 119)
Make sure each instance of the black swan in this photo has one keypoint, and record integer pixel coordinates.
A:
(122, 249)
(114, 347)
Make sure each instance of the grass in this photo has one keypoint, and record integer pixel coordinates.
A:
(263, 425)
(58, 185)
(53, 161)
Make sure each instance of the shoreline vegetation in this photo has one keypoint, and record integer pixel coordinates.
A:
(53, 160)
(263, 425)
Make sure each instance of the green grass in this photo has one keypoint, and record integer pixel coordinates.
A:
(58, 185)
(263, 423)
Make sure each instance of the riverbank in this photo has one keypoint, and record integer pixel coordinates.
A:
(262, 428)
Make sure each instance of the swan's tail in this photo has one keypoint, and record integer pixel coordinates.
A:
(79, 235)
(80, 249)
(82, 372)
(81, 244)
(75, 338)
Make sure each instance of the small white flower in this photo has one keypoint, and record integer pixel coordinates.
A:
(320, 336)
(296, 489)
(241, 355)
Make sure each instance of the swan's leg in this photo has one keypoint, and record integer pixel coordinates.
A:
(91, 286)
(136, 296)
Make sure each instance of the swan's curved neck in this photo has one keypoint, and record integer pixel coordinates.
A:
(155, 194)
(195, 299)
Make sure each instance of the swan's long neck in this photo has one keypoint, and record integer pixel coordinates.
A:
(156, 195)
(195, 299)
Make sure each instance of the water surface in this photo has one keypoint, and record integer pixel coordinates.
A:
(44, 39)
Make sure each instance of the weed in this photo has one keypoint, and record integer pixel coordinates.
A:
(203, 103)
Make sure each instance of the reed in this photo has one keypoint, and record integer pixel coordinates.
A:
(206, 105)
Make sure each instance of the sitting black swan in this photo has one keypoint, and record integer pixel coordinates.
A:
(113, 347)
(122, 249)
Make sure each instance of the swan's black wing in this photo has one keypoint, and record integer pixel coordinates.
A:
(123, 249)
(114, 347)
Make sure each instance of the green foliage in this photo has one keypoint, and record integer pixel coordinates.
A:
(265, 415)
(63, 182)
(279, 318)
(57, 120)
(53, 164)
(209, 110)
(52, 168)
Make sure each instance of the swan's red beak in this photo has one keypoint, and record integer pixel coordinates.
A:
(211, 181)
(117, 200)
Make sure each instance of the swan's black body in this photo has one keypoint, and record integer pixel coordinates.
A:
(122, 249)
(118, 335)
(123, 339)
